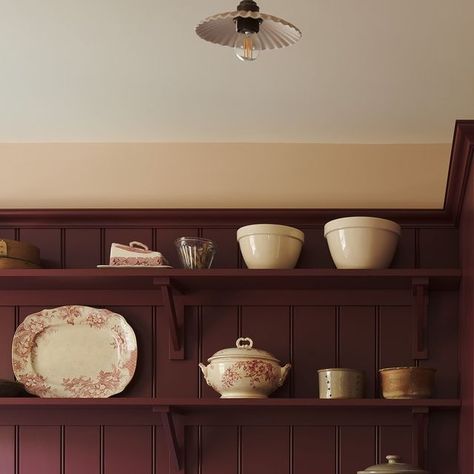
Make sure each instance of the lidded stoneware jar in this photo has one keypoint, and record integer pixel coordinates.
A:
(393, 466)
(244, 372)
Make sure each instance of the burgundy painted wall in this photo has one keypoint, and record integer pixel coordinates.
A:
(368, 336)
(466, 228)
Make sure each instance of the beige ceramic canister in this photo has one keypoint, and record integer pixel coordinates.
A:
(341, 383)
(393, 466)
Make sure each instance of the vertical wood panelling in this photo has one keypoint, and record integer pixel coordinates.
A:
(265, 448)
(219, 330)
(192, 452)
(7, 233)
(49, 243)
(314, 450)
(443, 343)
(177, 377)
(220, 450)
(82, 248)
(396, 440)
(405, 255)
(82, 450)
(165, 239)
(358, 342)
(227, 255)
(314, 334)
(140, 318)
(315, 251)
(162, 458)
(438, 248)
(357, 448)
(128, 449)
(443, 443)
(396, 336)
(7, 450)
(40, 450)
(269, 328)
(7, 329)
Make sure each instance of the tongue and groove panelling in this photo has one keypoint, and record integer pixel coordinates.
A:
(310, 336)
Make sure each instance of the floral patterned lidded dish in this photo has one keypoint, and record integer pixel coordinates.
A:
(244, 372)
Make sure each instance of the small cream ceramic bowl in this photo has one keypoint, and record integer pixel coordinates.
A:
(270, 245)
(362, 242)
(244, 372)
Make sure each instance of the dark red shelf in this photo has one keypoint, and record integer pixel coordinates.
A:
(174, 414)
(186, 404)
(225, 279)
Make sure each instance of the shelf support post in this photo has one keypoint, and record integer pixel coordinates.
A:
(174, 439)
(420, 310)
(420, 436)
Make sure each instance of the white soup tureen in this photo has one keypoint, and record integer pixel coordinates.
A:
(244, 372)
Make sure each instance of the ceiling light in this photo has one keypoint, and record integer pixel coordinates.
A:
(248, 31)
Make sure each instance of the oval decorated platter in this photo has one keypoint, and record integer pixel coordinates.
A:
(74, 352)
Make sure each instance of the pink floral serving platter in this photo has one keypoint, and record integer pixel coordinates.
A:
(74, 352)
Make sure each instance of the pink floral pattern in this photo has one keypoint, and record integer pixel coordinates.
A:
(86, 387)
(36, 384)
(97, 319)
(256, 371)
(34, 329)
(131, 363)
(139, 261)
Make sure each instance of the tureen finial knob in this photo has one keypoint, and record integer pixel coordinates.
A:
(244, 343)
(393, 458)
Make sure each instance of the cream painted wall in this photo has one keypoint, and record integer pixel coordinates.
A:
(166, 175)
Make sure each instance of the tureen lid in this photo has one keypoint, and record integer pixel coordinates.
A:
(244, 349)
(393, 466)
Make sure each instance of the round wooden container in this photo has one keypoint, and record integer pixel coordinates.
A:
(16, 254)
(407, 382)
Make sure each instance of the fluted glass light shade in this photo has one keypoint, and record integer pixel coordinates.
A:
(248, 31)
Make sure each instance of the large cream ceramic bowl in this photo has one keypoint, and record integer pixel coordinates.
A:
(362, 242)
(270, 245)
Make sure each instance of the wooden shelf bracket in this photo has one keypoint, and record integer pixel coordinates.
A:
(420, 288)
(174, 310)
(174, 436)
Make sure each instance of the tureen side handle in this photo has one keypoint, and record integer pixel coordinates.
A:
(284, 373)
(204, 371)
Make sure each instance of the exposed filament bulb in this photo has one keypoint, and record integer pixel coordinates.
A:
(247, 46)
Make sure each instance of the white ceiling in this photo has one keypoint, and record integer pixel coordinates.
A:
(365, 71)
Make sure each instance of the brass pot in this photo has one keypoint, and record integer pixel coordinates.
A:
(407, 382)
